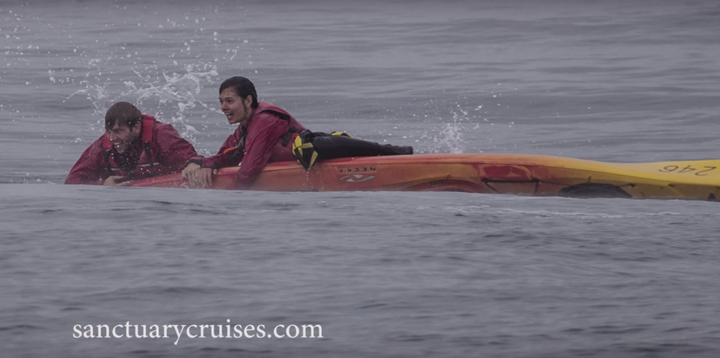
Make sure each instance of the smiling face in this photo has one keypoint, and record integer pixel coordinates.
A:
(122, 136)
(236, 109)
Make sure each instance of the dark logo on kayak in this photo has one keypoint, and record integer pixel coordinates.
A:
(701, 172)
(356, 178)
(356, 170)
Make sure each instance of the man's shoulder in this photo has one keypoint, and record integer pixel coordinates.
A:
(162, 125)
(96, 148)
(161, 129)
(99, 143)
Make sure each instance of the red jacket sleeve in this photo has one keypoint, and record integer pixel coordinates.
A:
(90, 168)
(173, 150)
(263, 133)
(221, 160)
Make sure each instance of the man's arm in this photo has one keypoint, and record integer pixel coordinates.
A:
(198, 171)
(174, 150)
(89, 168)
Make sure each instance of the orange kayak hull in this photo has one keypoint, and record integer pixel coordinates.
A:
(517, 174)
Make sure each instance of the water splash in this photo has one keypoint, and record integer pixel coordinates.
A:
(449, 137)
(98, 97)
(170, 97)
(173, 95)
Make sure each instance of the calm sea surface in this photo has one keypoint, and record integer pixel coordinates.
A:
(383, 274)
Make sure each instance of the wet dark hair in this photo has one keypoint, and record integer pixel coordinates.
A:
(243, 87)
(122, 113)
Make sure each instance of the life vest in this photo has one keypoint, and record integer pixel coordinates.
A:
(288, 137)
(145, 166)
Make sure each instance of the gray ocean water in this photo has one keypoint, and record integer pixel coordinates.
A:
(384, 274)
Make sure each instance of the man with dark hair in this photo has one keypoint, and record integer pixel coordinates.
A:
(134, 146)
(266, 134)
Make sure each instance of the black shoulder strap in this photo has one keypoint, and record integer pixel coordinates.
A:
(151, 158)
(287, 136)
(107, 162)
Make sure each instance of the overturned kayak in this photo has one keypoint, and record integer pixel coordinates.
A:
(518, 174)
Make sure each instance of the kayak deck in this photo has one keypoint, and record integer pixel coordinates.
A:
(517, 174)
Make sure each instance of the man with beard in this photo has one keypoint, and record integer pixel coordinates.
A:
(134, 146)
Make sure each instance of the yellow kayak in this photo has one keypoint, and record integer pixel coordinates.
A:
(518, 174)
